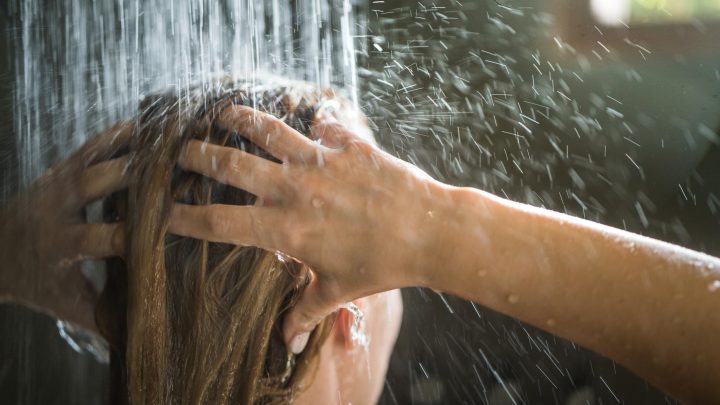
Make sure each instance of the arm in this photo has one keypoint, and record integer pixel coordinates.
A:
(649, 305)
(367, 222)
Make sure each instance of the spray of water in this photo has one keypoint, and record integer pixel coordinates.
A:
(84, 65)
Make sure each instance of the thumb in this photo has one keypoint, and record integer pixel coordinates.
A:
(314, 305)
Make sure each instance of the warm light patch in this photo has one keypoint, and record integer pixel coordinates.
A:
(620, 12)
(611, 12)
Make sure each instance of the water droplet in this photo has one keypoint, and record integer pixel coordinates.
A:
(318, 202)
(282, 257)
(357, 330)
(714, 286)
(513, 299)
(550, 322)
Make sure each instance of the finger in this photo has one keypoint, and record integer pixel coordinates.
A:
(270, 133)
(102, 179)
(314, 305)
(332, 134)
(234, 167)
(248, 225)
(98, 241)
(104, 145)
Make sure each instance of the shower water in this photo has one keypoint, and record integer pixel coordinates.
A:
(82, 65)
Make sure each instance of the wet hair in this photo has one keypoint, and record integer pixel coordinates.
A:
(191, 321)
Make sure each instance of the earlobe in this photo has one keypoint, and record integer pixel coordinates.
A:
(341, 329)
(349, 327)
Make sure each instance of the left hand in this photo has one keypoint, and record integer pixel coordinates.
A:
(44, 234)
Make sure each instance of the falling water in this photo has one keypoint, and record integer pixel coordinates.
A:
(84, 65)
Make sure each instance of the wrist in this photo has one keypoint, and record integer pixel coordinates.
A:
(438, 224)
(460, 229)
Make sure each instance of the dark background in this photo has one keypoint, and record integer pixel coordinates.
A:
(450, 351)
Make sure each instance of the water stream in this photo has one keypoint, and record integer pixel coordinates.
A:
(84, 65)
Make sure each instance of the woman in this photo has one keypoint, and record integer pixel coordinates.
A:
(649, 305)
(196, 322)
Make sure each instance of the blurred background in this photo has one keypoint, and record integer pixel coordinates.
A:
(603, 109)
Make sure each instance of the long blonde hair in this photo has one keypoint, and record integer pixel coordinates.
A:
(192, 321)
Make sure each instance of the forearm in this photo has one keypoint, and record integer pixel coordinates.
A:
(649, 305)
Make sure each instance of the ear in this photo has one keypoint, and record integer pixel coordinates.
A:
(344, 323)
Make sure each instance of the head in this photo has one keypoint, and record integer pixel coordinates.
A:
(191, 321)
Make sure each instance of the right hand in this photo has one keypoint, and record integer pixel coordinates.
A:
(360, 218)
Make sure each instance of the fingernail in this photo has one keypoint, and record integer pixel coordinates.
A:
(298, 343)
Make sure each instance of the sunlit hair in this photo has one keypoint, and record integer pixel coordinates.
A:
(191, 321)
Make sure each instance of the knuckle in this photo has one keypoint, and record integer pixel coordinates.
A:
(273, 125)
